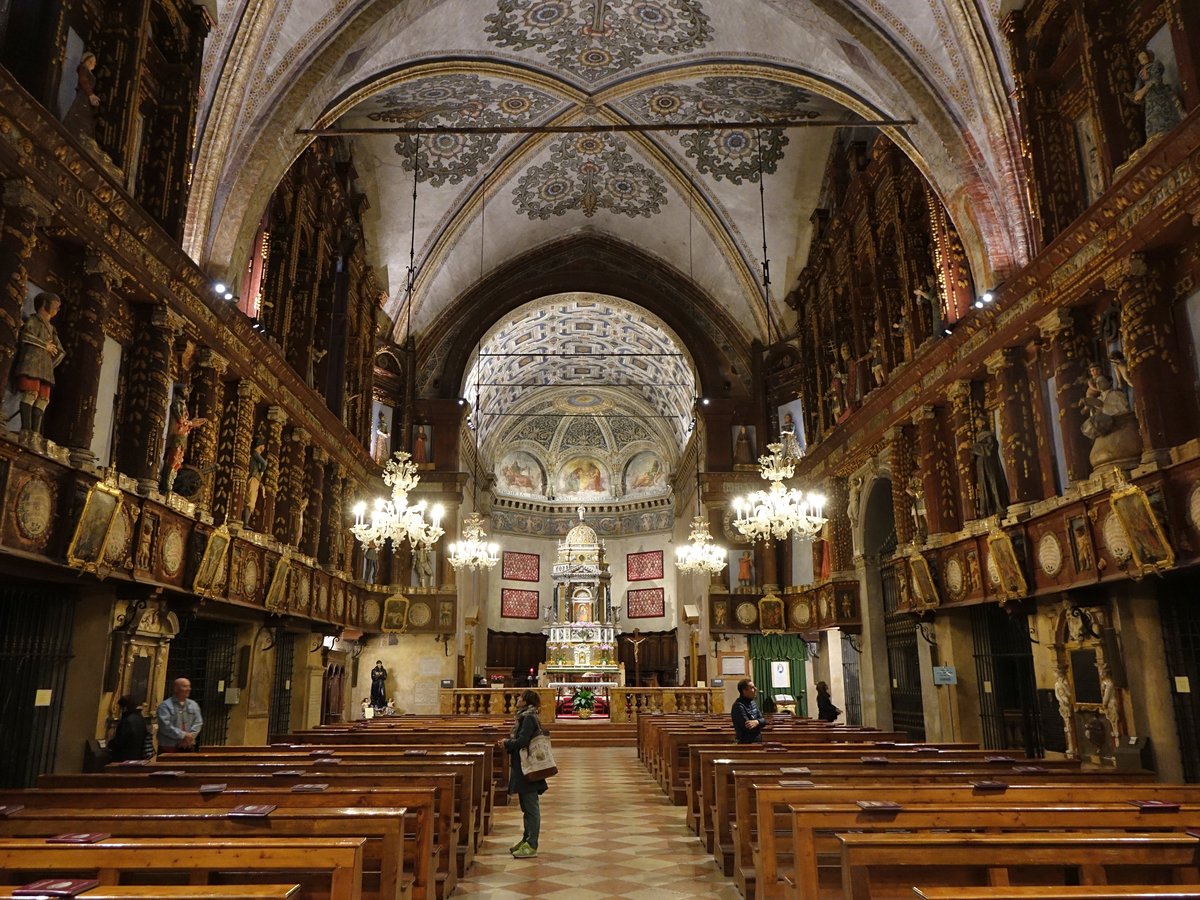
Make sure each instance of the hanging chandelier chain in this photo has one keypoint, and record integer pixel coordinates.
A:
(412, 238)
(762, 210)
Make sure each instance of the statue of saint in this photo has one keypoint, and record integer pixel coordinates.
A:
(370, 563)
(178, 429)
(81, 116)
(915, 489)
(787, 435)
(989, 473)
(381, 447)
(379, 685)
(836, 393)
(746, 569)
(875, 356)
(39, 353)
(423, 565)
(856, 485)
(1163, 109)
(420, 452)
(258, 467)
(1102, 402)
(1062, 694)
(743, 455)
(1110, 704)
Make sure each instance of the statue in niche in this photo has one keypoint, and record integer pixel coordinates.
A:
(742, 454)
(990, 484)
(1111, 424)
(80, 119)
(930, 296)
(379, 685)
(423, 565)
(1066, 709)
(856, 486)
(298, 520)
(258, 468)
(420, 452)
(854, 386)
(746, 569)
(1110, 704)
(903, 329)
(180, 426)
(875, 359)
(382, 446)
(787, 436)
(915, 489)
(370, 563)
(836, 393)
(39, 353)
(1163, 110)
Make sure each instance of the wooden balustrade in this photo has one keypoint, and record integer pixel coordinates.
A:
(492, 701)
(628, 703)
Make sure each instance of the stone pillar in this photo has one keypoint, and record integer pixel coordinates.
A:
(311, 540)
(962, 425)
(233, 454)
(208, 402)
(23, 211)
(1165, 413)
(149, 396)
(842, 558)
(1018, 438)
(270, 483)
(73, 413)
(901, 457)
(1070, 370)
(939, 481)
(290, 505)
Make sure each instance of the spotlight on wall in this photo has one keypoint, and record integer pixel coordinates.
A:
(705, 401)
(228, 295)
(219, 287)
(979, 304)
(988, 297)
(948, 330)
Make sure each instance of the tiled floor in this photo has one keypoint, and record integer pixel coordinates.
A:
(607, 831)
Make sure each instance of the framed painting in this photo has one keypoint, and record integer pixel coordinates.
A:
(733, 664)
(520, 566)
(646, 566)
(395, 615)
(1003, 555)
(212, 562)
(1148, 544)
(646, 603)
(100, 509)
(277, 592)
(518, 603)
(924, 588)
(770, 615)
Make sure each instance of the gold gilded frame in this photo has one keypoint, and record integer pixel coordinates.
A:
(777, 615)
(395, 615)
(276, 597)
(1148, 543)
(1012, 580)
(925, 592)
(90, 540)
(215, 551)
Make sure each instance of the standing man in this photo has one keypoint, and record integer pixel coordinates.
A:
(179, 720)
(748, 720)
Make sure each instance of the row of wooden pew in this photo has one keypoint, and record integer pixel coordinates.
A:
(393, 809)
(820, 810)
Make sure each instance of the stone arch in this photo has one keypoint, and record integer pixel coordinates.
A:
(878, 517)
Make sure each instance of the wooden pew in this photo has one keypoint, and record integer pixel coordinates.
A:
(185, 892)
(879, 866)
(1072, 892)
(337, 862)
(432, 871)
(383, 856)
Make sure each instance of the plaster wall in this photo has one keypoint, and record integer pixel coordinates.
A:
(81, 698)
(416, 665)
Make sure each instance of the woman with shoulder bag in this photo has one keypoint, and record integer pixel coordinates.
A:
(525, 729)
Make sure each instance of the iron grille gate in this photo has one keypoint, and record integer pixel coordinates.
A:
(281, 692)
(35, 647)
(1181, 636)
(852, 701)
(904, 666)
(203, 654)
(1008, 699)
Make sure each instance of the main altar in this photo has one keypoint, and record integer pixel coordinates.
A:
(581, 631)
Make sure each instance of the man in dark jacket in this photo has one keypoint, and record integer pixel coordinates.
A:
(748, 720)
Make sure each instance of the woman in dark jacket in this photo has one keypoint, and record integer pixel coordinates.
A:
(826, 711)
(525, 729)
(129, 740)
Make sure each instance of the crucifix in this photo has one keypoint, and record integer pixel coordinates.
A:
(637, 642)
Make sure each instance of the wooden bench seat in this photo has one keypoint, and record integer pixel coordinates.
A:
(1073, 892)
(185, 892)
(881, 866)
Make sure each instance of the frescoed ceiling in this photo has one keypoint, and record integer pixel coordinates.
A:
(689, 199)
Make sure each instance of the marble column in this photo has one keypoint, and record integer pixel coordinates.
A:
(270, 482)
(208, 403)
(73, 413)
(1165, 413)
(290, 503)
(313, 515)
(24, 210)
(149, 397)
(1070, 370)
(939, 477)
(962, 424)
(1018, 437)
(901, 463)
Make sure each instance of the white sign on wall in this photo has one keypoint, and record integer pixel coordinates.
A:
(781, 674)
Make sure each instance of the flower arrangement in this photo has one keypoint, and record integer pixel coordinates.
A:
(583, 702)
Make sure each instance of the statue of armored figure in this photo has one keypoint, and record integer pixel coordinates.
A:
(39, 353)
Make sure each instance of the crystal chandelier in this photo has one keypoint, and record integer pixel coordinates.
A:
(778, 511)
(394, 520)
(701, 555)
(473, 550)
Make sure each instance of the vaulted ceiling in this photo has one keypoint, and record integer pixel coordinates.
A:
(690, 200)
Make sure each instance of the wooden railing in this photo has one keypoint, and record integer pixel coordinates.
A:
(492, 701)
(627, 703)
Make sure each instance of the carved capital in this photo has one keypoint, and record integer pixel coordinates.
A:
(19, 193)
(1057, 322)
(959, 392)
(211, 359)
(1002, 360)
(319, 455)
(1132, 266)
(895, 434)
(248, 391)
(923, 414)
(102, 266)
(167, 320)
(276, 414)
(299, 435)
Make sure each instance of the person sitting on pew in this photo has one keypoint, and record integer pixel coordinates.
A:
(129, 740)
(179, 720)
(748, 720)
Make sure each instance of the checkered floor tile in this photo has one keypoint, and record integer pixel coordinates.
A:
(607, 831)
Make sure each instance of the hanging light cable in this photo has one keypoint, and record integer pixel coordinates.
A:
(473, 551)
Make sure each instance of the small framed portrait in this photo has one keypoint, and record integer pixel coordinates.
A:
(395, 615)
(278, 591)
(211, 562)
(1148, 544)
(1012, 585)
(924, 589)
(100, 510)
(770, 615)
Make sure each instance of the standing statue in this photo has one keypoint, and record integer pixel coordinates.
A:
(420, 452)
(178, 429)
(837, 393)
(854, 385)
(1062, 693)
(875, 356)
(298, 512)
(743, 454)
(39, 352)
(915, 489)
(381, 448)
(423, 565)
(80, 119)
(787, 435)
(1110, 704)
(990, 483)
(370, 563)
(931, 297)
(856, 486)
(258, 468)
(1163, 109)
(379, 685)
(746, 569)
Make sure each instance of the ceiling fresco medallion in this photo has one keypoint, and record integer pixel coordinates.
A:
(730, 153)
(587, 172)
(463, 101)
(595, 39)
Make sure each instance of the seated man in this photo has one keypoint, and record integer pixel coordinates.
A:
(748, 720)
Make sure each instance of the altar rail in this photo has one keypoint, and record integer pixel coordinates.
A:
(627, 703)
(491, 701)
